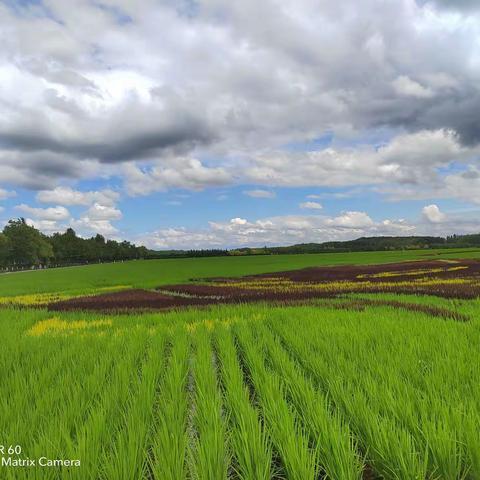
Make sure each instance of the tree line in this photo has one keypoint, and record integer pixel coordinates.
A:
(23, 246)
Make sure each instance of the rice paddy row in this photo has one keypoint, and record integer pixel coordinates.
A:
(240, 391)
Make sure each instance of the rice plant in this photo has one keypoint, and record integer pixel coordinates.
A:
(170, 440)
(250, 443)
(288, 436)
(338, 457)
(209, 452)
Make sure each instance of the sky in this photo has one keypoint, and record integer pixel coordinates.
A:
(220, 124)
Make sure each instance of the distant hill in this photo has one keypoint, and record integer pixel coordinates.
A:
(363, 244)
(367, 244)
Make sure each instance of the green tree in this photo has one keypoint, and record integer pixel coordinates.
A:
(27, 246)
(4, 248)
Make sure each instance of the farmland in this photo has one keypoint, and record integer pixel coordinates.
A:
(260, 368)
(151, 273)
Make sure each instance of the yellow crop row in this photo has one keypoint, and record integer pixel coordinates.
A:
(114, 288)
(45, 298)
(411, 272)
(288, 285)
(34, 299)
(57, 326)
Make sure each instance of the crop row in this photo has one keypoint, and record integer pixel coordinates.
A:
(251, 392)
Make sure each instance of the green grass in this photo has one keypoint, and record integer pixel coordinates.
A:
(246, 391)
(152, 273)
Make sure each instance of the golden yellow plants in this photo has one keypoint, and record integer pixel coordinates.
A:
(56, 326)
(33, 299)
(411, 272)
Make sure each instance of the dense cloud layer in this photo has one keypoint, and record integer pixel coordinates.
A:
(138, 80)
(210, 93)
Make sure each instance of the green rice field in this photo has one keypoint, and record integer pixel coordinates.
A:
(320, 389)
(151, 273)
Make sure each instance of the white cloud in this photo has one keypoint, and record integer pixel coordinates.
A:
(238, 221)
(97, 218)
(103, 212)
(408, 158)
(353, 220)
(69, 196)
(47, 226)
(179, 238)
(89, 226)
(49, 214)
(292, 229)
(281, 230)
(174, 172)
(432, 214)
(463, 185)
(260, 193)
(311, 205)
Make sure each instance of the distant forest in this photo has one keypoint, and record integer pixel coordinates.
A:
(369, 244)
(23, 246)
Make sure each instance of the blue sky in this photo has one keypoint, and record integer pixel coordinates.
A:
(222, 124)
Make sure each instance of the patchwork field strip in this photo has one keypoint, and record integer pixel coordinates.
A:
(459, 280)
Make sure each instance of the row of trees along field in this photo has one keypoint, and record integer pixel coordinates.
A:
(23, 246)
